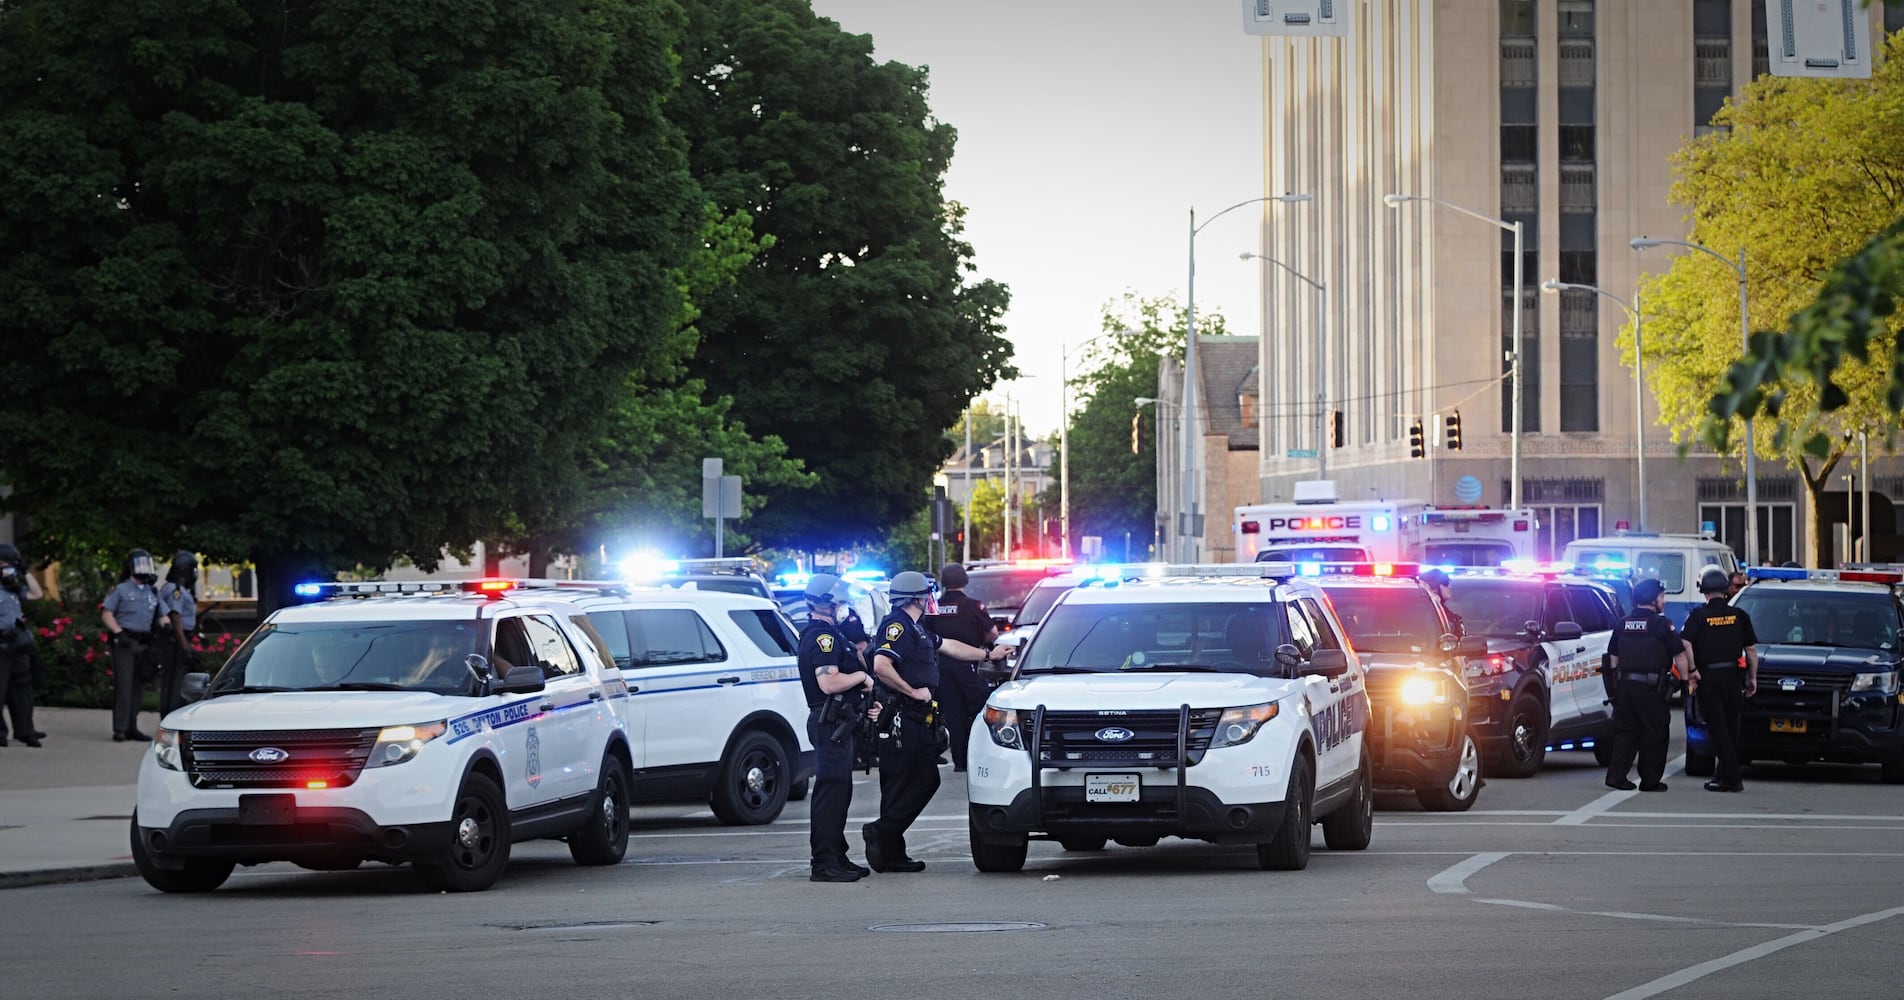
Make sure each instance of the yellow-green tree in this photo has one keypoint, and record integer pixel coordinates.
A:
(1808, 171)
(988, 519)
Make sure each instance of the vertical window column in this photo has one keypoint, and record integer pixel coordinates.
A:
(1520, 202)
(1711, 60)
(1579, 311)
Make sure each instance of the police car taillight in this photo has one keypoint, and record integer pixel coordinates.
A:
(1251, 528)
(1869, 576)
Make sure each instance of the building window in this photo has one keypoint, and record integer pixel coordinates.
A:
(1576, 142)
(1577, 267)
(1530, 356)
(1520, 189)
(1579, 360)
(1561, 524)
(1712, 57)
(1520, 202)
(1576, 18)
(1761, 47)
(1517, 18)
(1520, 144)
(1518, 63)
(1576, 187)
(1576, 62)
(1893, 18)
(1778, 524)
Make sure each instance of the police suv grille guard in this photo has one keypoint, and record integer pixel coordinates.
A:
(1189, 748)
(1818, 698)
(226, 759)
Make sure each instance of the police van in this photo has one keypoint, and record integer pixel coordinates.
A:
(1317, 527)
(1674, 560)
(1216, 703)
(1477, 536)
(433, 723)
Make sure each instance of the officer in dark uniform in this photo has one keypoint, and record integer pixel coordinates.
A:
(130, 612)
(961, 693)
(16, 646)
(1644, 651)
(1443, 588)
(1718, 637)
(837, 687)
(178, 620)
(906, 662)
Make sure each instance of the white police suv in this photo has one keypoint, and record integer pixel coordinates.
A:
(1217, 703)
(428, 723)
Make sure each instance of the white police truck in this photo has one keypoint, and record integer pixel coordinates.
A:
(1216, 703)
(433, 723)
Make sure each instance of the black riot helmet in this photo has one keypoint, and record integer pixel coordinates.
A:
(12, 569)
(1713, 580)
(952, 576)
(139, 566)
(184, 567)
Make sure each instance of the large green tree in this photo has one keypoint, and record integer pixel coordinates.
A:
(1808, 170)
(328, 283)
(860, 335)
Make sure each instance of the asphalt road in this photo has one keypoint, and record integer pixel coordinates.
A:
(1552, 887)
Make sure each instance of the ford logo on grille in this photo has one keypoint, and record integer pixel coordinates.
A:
(1790, 683)
(1114, 734)
(270, 755)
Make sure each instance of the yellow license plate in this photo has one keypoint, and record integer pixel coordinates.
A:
(1788, 725)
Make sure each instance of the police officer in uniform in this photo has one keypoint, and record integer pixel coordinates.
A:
(961, 693)
(1644, 652)
(1443, 588)
(837, 685)
(1718, 636)
(906, 662)
(178, 619)
(16, 646)
(130, 612)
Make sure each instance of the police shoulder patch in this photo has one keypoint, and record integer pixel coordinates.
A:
(895, 630)
(825, 643)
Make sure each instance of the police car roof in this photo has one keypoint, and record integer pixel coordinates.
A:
(716, 599)
(1184, 590)
(1327, 582)
(408, 607)
(1820, 586)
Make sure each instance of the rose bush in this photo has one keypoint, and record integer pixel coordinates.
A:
(73, 645)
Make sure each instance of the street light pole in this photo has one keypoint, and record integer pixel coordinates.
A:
(1513, 354)
(1322, 356)
(1639, 377)
(1752, 554)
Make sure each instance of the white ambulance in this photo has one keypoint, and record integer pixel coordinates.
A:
(1476, 536)
(1317, 527)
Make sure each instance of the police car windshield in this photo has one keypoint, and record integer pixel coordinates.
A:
(1387, 619)
(1496, 607)
(1038, 603)
(1314, 553)
(1002, 588)
(1108, 638)
(1810, 616)
(303, 656)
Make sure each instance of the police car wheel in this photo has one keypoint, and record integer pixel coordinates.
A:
(1700, 765)
(603, 836)
(479, 840)
(752, 787)
(198, 874)
(1352, 826)
(1289, 852)
(1463, 786)
(1007, 855)
(1083, 844)
(1526, 746)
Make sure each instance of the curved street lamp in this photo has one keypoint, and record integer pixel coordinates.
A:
(1322, 355)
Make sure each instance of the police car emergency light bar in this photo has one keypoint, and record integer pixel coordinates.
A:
(1841, 575)
(491, 587)
(1359, 569)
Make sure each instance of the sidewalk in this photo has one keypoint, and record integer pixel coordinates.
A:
(65, 807)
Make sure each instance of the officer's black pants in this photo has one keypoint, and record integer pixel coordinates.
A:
(1642, 725)
(908, 775)
(127, 690)
(1722, 708)
(175, 661)
(16, 693)
(961, 698)
(832, 793)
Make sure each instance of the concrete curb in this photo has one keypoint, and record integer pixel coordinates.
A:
(77, 873)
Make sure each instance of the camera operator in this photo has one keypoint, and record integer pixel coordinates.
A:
(16, 646)
(837, 686)
(906, 661)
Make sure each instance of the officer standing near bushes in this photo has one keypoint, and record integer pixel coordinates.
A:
(178, 619)
(130, 611)
(16, 646)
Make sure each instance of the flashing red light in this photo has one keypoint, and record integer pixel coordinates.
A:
(1384, 569)
(1252, 527)
(1868, 576)
(317, 784)
(495, 586)
(1520, 525)
(1496, 664)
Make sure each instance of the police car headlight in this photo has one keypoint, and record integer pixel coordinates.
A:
(165, 748)
(1423, 691)
(1885, 682)
(397, 744)
(1003, 723)
(1237, 726)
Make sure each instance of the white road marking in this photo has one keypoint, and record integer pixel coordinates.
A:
(1612, 798)
(1677, 979)
(1450, 881)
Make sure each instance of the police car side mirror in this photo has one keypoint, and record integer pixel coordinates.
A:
(1288, 657)
(192, 686)
(520, 680)
(1564, 631)
(1329, 662)
(1471, 645)
(1449, 643)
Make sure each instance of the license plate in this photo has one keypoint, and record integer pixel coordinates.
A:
(1111, 787)
(267, 810)
(1788, 725)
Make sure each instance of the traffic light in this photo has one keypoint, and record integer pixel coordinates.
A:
(1338, 433)
(1417, 447)
(1137, 421)
(1454, 431)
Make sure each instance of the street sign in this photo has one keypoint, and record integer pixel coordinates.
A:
(1301, 453)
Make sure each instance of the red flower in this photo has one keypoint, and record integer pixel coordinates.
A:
(102, 637)
(91, 656)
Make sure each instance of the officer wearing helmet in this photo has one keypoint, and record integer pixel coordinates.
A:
(16, 646)
(178, 619)
(836, 683)
(906, 662)
(1725, 671)
(1644, 652)
(131, 612)
(1443, 588)
(961, 617)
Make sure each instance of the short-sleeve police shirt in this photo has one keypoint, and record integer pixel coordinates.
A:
(822, 645)
(913, 650)
(1645, 643)
(10, 609)
(176, 598)
(960, 617)
(1719, 633)
(132, 603)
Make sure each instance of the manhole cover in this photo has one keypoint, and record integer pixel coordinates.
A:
(963, 927)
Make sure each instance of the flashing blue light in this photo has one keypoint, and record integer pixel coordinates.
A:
(1110, 573)
(1379, 522)
(307, 590)
(1776, 573)
(865, 575)
(792, 581)
(1309, 568)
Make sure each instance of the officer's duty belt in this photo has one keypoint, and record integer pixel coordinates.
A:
(1642, 678)
(136, 634)
(1718, 666)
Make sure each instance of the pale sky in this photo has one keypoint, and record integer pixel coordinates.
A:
(1087, 130)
